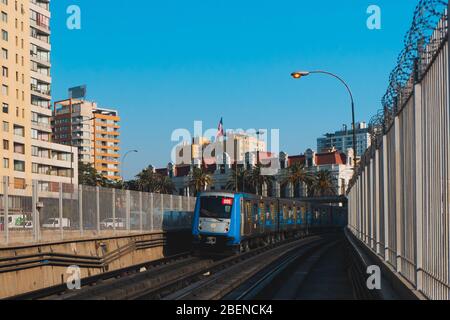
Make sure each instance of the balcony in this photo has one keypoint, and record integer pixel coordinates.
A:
(42, 93)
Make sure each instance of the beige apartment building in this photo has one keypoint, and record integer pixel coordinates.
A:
(93, 130)
(202, 149)
(27, 150)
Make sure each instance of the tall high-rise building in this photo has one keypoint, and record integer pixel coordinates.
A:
(342, 140)
(27, 150)
(93, 130)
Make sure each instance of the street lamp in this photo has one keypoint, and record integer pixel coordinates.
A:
(123, 160)
(301, 74)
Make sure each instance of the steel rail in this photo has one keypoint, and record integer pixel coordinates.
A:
(235, 265)
(272, 272)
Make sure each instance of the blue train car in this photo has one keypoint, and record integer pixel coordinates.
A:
(240, 221)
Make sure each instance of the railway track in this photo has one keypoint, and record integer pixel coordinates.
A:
(218, 279)
(185, 277)
(271, 278)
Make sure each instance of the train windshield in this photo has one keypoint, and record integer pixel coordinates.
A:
(216, 207)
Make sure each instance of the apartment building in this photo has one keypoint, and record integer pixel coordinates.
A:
(235, 147)
(93, 130)
(343, 139)
(27, 150)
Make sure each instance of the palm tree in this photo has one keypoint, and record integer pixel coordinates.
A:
(199, 180)
(165, 185)
(147, 180)
(150, 181)
(241, 176)
(323, 184)
(257, 180)
(298, 174)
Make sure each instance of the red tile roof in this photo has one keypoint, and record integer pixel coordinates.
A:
(326, 158)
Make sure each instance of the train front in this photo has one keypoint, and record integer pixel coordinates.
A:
(215, 226)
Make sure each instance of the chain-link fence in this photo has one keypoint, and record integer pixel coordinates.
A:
(86, 212)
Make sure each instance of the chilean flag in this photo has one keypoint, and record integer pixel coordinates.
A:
(220, 129)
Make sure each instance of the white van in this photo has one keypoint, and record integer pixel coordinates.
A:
(53, 223)
(15, 221)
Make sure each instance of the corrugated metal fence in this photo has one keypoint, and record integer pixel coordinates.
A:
(399, 203)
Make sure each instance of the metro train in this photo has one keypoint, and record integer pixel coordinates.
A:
(236, 222)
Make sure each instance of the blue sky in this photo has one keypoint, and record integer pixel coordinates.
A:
(165, 64)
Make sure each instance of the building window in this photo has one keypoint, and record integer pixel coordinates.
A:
(5, 72)
(34, 151)
(19, 131)
(5, 108)
(6, 163)
(4, 35)
(19, 165)
(5, 126)
(19, 148)
(4, 17)
(5, 145)
(19, 183)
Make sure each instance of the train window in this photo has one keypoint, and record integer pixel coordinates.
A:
(255, 214)
(262, 212)
(216, 207)
(272, 210)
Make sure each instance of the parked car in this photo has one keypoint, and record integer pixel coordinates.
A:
(53, 223)
(110, 223)
(15, 221)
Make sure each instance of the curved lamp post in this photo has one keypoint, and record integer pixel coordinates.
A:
(123, 160)
(301, 74)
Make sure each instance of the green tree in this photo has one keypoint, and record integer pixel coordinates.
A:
(165, 185)
(150, 181)
(89, 176)
(241, 176)
(199, 180)
(296, 174)
(323, 184)
(256, 180)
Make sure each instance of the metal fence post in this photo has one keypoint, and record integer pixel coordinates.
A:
(34, 202)
(152, 211)
(60, 210)
(419, 185)
(162, 211)
(386, 199)
(97, 193)
(114, 210)
(189, 203)
(140, 212)
(80, 207)
(398, 192)
(6, 208)
(128, 209)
